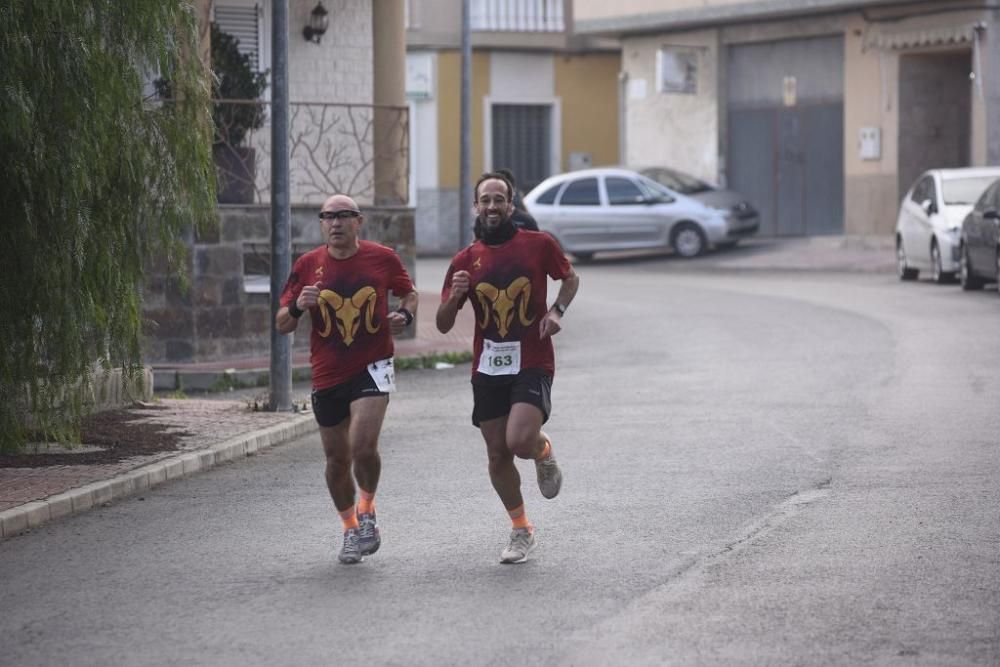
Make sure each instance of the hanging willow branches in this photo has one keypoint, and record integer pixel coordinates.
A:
(96, 181)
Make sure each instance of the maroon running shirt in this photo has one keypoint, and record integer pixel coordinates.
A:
(508, 285)
(349, 327)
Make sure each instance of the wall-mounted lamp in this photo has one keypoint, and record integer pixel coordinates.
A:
(318, 22)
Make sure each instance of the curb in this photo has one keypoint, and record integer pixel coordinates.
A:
(32, 515)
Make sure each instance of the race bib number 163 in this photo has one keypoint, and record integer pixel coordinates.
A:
(500, 358)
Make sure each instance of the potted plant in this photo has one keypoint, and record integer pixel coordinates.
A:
(236, 112)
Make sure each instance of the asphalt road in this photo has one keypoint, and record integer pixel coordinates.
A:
(761, 468)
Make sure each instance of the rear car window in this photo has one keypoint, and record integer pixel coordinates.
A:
(549, 195)
(581, 193)
(965, 190)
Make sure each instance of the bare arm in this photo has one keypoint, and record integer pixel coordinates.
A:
(283, 320)
(552, 322)
(448, 310)
(397, 321)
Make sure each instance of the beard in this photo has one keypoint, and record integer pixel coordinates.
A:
(501, 233)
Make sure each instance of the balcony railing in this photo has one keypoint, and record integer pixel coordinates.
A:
(333, 148)
(517, 16)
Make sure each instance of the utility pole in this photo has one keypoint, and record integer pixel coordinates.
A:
(281, 211)
(465, 149)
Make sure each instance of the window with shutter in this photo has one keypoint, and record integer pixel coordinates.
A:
(242, 21)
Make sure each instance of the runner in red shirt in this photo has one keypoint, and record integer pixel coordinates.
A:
(505, 276)
(345, 287)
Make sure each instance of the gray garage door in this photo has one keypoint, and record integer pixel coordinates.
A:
(786, 133)
(522, 140)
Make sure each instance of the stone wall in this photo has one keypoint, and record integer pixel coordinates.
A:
(218, 315)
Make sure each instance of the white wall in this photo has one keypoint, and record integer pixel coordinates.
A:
(673, 129)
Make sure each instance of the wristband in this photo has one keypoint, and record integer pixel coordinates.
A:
(559, 308)
(294, 310)
(407, 314)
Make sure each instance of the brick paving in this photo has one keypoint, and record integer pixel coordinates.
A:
(207, 422)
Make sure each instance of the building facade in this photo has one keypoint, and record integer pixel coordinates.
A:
(542, 102)
(821, 112)
(348, 133)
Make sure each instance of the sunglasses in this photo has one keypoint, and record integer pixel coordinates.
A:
(330, 215)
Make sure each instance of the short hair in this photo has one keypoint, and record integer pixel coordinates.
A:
(509, 175)
(494, 175)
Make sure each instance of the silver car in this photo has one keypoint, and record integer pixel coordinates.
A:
(606, 209)
(929, 224)
(710, 195)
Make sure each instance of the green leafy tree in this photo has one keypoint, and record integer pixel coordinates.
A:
(97, 181)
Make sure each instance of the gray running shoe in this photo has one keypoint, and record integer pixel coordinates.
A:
(368, 533)
(351, 552)
(549, 474)
(522, 543)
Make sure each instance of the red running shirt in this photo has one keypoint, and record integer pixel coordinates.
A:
(349, 327)
(508, 291)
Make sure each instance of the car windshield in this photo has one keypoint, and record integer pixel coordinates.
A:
(678, 181)
(965, 190)
(655, 191)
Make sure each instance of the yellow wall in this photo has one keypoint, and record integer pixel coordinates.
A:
(480, 90)
(587, 87)
(449, 88)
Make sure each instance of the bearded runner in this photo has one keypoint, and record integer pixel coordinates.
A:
(504, 275)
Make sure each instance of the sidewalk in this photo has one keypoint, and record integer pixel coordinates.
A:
(208, 432)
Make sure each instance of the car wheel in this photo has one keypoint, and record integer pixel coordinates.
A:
(937, 275)
(904, 272)
(966, 276)
(687, 240)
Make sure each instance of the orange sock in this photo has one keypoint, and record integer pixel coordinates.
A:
(349, 517)
(518, 518)
(546, 450)
(367, 503)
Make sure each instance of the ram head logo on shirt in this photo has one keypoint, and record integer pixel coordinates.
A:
(501, 303)
(348, 312)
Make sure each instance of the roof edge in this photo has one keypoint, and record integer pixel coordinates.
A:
(703, 17)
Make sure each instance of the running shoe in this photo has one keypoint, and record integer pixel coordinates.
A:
(522, 542)
(368, 533)
(549, 474)
(351, 552)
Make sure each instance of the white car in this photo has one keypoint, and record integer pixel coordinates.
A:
(929, 225)
(595, 210)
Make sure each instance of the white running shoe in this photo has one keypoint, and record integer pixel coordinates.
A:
(522, 543)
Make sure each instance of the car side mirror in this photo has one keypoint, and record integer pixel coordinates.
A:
(991, 214)
(928, 206)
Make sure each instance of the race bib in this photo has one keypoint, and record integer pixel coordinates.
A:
(500, 358)
(384, 375)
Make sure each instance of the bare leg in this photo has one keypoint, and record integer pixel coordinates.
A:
(504, 476)
(524, 431)
(367, 415)
(338, 464)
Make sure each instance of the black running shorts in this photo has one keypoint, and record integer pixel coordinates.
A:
(333, 404)
(493, 396)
